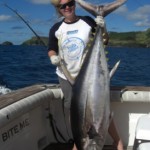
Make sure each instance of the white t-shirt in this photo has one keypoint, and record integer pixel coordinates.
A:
(69, 41)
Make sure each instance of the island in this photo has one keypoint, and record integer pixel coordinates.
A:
(116, 39)
(128, 39)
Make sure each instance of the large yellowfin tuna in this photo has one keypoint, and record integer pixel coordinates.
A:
(90, 108)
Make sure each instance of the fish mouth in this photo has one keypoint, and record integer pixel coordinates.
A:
(93, 144)
(93, 140)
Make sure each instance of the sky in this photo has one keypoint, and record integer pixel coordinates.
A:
(134, 15)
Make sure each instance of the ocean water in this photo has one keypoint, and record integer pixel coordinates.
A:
(22, 66)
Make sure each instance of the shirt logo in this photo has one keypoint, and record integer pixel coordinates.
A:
(73, 48)
(72, 32)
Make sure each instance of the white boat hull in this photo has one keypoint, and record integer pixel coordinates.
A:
(25, 123)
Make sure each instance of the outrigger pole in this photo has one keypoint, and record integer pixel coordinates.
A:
(38, 37)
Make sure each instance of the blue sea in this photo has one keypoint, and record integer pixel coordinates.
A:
(22, 66)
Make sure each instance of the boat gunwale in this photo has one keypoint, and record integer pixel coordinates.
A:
(14, 96)
(116, 93)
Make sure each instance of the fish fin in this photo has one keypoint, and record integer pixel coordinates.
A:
(113, 70)
(102, 9)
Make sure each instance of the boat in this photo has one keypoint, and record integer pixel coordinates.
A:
(32, 118)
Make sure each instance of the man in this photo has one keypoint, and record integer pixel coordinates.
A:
(67, 40)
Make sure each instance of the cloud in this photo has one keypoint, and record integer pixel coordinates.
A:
(123, 10)
(40, 1)
(140, 16)
(38, 21)
(144, 9)
(8, 18)
(5, 18)
(145, 22)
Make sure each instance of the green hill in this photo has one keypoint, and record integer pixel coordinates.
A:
(7, 43)
(130, 39)
(36, 41)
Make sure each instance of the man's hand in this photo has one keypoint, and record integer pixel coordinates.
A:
(100, 21)
(55, 60)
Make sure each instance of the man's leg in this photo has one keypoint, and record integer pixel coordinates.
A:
(114, 134)
(67, 91)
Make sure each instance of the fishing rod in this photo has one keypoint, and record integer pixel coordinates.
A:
(62, 65)
(38, 37)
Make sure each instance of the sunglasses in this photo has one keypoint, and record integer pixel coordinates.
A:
(69, 4)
